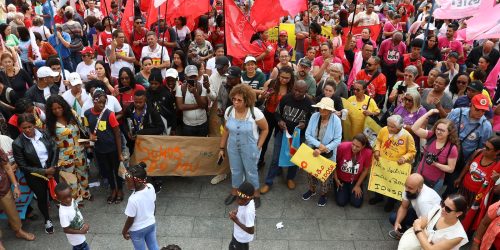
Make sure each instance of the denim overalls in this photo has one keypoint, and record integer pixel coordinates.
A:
(242, 151)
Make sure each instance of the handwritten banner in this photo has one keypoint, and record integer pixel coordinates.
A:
(371, 130)
(179, 155)
(22, 202)
(388, 178)
(319, 167)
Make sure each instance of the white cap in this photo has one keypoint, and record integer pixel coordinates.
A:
(431, 26)
(74, 79)
(46, 72)
(250, 59)
(172, 73)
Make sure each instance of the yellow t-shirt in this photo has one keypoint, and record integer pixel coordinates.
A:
(392, 147)
(356, 115)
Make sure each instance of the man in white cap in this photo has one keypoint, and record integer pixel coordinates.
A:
(44, 87)
(191, 99)
(76, 95)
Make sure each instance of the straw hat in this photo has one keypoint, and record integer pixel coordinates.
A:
(325, 103)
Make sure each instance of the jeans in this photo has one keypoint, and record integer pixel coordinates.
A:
(67, 64)
(143, 237)
(298, 55)
(274, 168)
(236, 245)
(344, 194)
(200, 130)
(407, 221)
(83, 246)
(76, 58)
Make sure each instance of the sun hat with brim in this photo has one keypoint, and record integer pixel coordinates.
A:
(325, 103)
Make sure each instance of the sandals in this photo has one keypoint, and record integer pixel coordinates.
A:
(118, 199)
(25, 235)
(32, 217)
(111, 199)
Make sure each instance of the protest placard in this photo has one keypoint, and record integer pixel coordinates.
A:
(388, 178)
(371, 130)
(24, 201)
(319, 167)
(179, 155)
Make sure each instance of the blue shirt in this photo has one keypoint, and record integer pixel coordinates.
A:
(464, 102)
(46, 11)
(65, 52)
(476, 135)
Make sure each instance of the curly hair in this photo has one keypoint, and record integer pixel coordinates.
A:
(52, 119)
(246, 92)
(452, 131)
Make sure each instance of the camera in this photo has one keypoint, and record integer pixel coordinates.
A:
(402, 89)
(191, 82)
(430, 158)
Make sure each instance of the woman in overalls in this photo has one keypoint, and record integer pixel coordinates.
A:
(244, 133)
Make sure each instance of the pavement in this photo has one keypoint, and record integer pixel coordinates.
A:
(190, 212)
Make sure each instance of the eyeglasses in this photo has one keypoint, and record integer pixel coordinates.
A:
(368, 64)
(440, 130)
(285, 78)
(407, 99)
(446, 208)
(85, 55)
(237, 100)
(138, 22)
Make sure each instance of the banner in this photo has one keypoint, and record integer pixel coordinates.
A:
(22, 202)
(319, 167)
(289, 145)
(388, 178)
(485, 23)
(356, 32)
(267, 13)
(127, 22)
(371, 130)
(456, 9)
(290, 29)
(179, 155)
(346, 133)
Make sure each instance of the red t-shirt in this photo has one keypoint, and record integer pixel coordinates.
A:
(407, 61)
(315, 44)
(377, 86)
(409, 11)
(58, 19)
(105, 39)
(127, 98)
(477, 174)
(266, 64)
(346, 170)
(139, 35)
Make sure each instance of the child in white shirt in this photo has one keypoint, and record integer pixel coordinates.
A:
(243, 218)
(71, 219)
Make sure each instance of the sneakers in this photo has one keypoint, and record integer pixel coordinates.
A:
(49, 228)
(218, 178)
(375, 200)
(307, 195)
(264, 189)
(322, 201)
(291, 184)
(157, 186)
(256, 200)
(395, 235)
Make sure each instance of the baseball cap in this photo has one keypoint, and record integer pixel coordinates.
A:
(172, 73)
(250, 59)
(283, 33)
(453, 54)
(74, 79)
(191, 70)
(476, 85)
(221, 61)
(46, 72)
(305, 62)
(481, 102)
(233, 72)
(87, 50)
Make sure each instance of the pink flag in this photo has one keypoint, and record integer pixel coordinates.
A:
(484, 24)
(265, 14)
(456, 9)
(491, 80)
(238, 32)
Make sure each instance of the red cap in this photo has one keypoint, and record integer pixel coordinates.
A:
(87, 50)
(481, 102)
(283, 33)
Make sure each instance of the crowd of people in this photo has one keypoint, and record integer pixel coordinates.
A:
(76, 90)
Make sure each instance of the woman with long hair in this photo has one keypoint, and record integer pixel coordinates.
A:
(431, 53)
(179, 63)
(284, 60)
(458, 86)
(17, 78)
(103, 74)
(126, 87)
(272, 92)
(441, 151)
(63, 125)
(142, 77)
(483, 66)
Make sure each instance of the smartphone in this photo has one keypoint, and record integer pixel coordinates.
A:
(221, 159)
(191, 82)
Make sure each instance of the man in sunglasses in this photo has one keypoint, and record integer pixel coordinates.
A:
(375, 79)
(138, 38)
(421, 198)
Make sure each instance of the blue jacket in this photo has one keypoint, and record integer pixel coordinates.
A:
(333, 134)
(65, 52)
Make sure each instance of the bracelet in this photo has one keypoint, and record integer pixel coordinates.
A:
(16, 185)
(476, 240)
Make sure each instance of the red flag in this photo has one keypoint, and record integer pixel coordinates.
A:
(105, 7)
(176, 8)
(238, 32)
(127, 23)
(356, 32)
(265, 14)
(144, 5)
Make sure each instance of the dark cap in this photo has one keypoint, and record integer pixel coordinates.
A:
(453, 54)
(305, 62)
(155, 75)
(233, 72)
(476, 86)
(221, 61)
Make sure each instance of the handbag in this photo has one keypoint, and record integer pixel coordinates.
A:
(76, 41)
(409, 240)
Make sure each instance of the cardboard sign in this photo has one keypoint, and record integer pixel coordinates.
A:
(319, 167)
(388, 178)
(22, 202)
(347, 122)
(179, 155)
(371, 130)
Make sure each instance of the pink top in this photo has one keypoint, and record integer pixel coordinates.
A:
(349, 170)
(318, 61)
(359, 44)
(431, 172)
(454, 45)
(389, 27)
(391, 53)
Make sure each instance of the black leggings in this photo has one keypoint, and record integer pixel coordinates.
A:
(109, 163)
(271, 123)
(235, 245)
(40, 188)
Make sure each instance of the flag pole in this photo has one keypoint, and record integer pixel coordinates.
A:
(165, 31)
(355, 2)
(107, 14)
(58, 48)
(426, 33)
(224, 13)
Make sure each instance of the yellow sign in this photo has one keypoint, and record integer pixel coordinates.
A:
(388, 178)
(326, 31)
(371, 130)
(347, 122)
(319, 167)
(290, 30)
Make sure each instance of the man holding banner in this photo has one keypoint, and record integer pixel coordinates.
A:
(394, 144)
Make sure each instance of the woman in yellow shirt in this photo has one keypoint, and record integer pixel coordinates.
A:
(361, 106)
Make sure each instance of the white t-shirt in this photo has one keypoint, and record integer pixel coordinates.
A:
(453, 232)
(181, 34)
(425, 202)
(96, 12)
(42, 30)
(365, 19)
(258, 116)
(85, 70)
(70, 216)
(192, 117)
(125, 50)
(211, 65)
(246, 215)
(156, 56)
(73, 103)
(141, 206)
(112, 105)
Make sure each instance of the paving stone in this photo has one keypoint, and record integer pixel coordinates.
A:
(110, 241)
(188, 243)
(262, 244)
(375, 245)
(292, 230)
(194, 207)
(320, 245)
(181, 226)
(212, 227)
(300, 209)
(350, 230)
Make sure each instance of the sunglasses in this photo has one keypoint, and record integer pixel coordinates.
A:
(407, 99)
(368, 64)
(446, 208)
